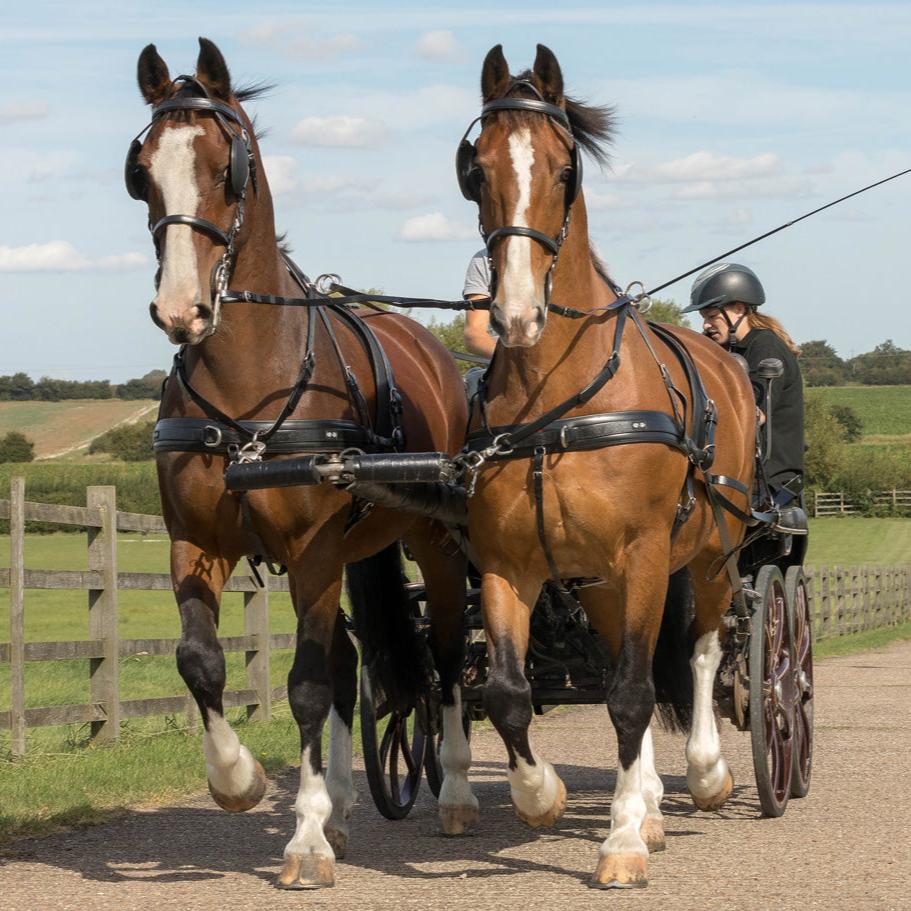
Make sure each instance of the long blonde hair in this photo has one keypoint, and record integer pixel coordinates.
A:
(761, 321)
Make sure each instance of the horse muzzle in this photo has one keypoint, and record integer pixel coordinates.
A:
(517, 331)
(185, 326)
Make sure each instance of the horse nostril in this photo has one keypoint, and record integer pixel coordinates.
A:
(496, 323)
(204, 312)
(153, 312)
(181, 336)
(539, 316)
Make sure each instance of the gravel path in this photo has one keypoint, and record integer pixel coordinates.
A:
(844, 846)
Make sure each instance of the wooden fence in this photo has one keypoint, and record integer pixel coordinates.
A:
(843, 600)
(837, 503)
(104, 648)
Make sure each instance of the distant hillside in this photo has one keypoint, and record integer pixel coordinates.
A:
(66, 428)
(884, 410)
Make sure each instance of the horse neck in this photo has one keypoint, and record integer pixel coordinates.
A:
(261, 341)
(571, 352)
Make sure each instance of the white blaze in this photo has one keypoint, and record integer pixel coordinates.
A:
(173, 169)
(518, 283)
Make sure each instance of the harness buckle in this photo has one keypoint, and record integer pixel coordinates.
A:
(216, 440)
(498, 447)
(251, 452)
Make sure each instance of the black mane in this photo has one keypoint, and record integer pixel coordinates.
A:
(593, 126)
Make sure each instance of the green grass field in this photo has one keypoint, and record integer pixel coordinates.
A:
(61, 428)
(884, 410)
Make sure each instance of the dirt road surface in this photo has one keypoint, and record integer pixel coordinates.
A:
(845, 846)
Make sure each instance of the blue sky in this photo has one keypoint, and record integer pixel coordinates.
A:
(732, 119)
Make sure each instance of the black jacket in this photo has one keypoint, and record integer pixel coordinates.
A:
(786, 458)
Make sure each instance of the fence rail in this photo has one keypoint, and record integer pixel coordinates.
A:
(103, 648)
(843, 599)
(838, 503)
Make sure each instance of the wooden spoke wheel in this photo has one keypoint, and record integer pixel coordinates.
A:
(772, 692)
(395, 747)
(432, 765)
(795, 586)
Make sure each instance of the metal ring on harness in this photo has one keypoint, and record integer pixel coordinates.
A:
(324, 283)
(215, 441)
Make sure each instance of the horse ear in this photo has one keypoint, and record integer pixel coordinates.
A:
(494, 74)
(152, 75)
(212, 71)
(549, 74)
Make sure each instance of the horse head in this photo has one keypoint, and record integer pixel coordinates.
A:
(525, 174)
(197, 171)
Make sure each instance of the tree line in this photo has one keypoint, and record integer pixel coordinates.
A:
(886, 365)
(20, 387)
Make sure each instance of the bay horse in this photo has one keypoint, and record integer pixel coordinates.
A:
(554, 507)
(273, 377)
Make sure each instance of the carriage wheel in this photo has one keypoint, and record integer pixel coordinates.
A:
(795, 585)
(432, 760)
(395, 747)
(772, 692)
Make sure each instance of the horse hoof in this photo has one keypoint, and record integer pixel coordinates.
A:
(458, 820)
(338, 841)
(620, 871)
(716, 802)
(652, 833)
(549, 817)
(246, 801)
(306, 871)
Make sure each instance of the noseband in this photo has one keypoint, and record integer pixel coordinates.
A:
(466, 167)
(241, 171)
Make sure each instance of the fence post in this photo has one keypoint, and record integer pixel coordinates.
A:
(256, 625)
(105, 671)
(17, 614)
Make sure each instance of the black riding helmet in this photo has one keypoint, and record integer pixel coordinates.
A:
(726, 283)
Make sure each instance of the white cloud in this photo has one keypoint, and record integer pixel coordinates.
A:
(346, 193)
(787, 187)
(282, 173)
(23, 110)
(599, 201)
(62, 256)
(340, 131)
(439, 45)
(434, 226)
(302, 40)
(709, 166)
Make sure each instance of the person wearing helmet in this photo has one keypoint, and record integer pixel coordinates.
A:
(727, 296)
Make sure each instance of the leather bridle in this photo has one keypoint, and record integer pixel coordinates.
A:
(465, 164)
(241, 172)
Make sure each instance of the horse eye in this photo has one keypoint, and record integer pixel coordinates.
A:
(566, 174)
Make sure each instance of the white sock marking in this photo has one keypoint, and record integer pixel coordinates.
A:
(533, 788)
(706, 769)
(339, 784)
(312, 808)
(173, 169)
(455, 758)
(652, 786)
(229, 766)
(627, 811)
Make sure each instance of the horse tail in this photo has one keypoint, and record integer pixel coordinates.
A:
(671, 663)
(391, 647)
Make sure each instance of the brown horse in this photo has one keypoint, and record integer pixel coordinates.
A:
(609, 512)
(210, 211)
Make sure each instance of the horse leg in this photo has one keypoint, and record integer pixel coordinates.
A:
(309, 857)
(443, 568)
(707, 774)
(538, 795)
(339, 783)
(605, 614)
(237, 781)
